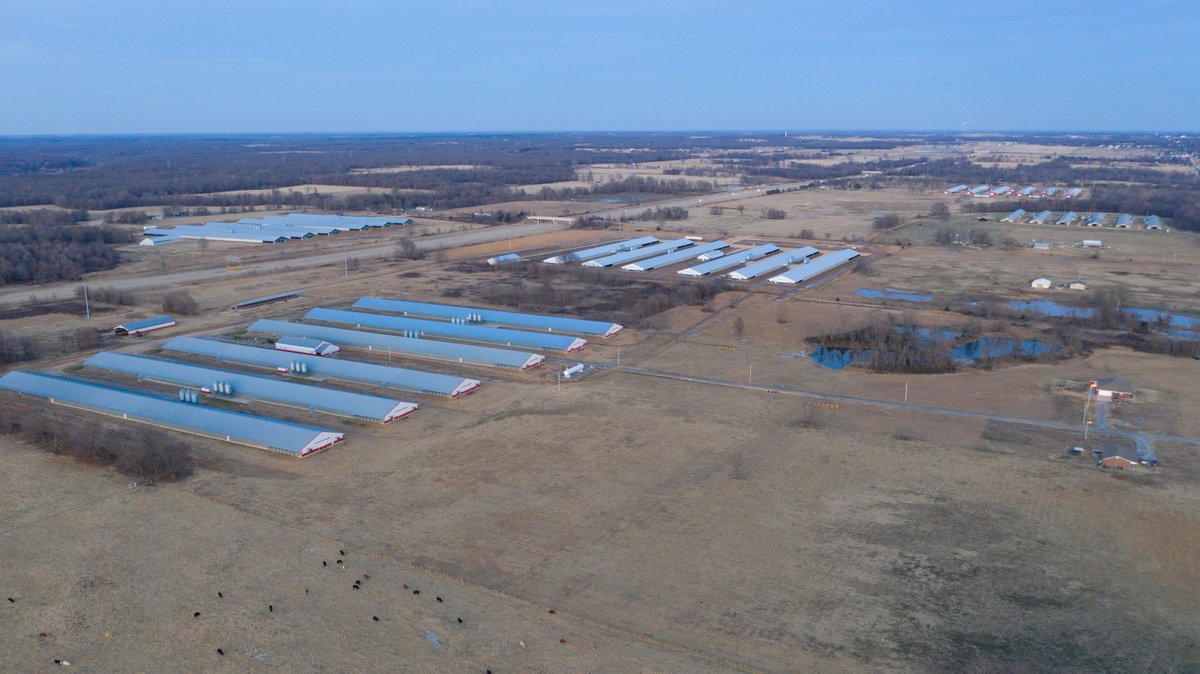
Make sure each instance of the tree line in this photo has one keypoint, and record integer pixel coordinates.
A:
(147, 454)
(46, 253)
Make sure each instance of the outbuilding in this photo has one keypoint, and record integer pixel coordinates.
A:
(1040, 283)
(145, 325)
(1112, 388)
(1117, 462)
(506, 258)
(311, 347)
(1077, 285)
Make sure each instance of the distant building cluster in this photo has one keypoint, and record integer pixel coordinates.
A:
(269, 229)
(647, 253)
(1030, 192)
(1123, 221)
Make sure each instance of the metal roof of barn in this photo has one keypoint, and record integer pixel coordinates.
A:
(772, 263)
(1015, 215)
(304, 396)
(730, 260)
(292, 340)
(1067, 218)
(631, 255)
(237, 427)
(1041, 217)
(815, 267)
(237, 227)
(132, 326)
(690, 253)
(463, 331)
(1124, 220)
(198, 232)
(344, 222)
(384, 376)
(267, 298)
(549, 323)
(427, 348)
(601, 251)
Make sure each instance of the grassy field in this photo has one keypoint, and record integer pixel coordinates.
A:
(625, 522)
(670, 526)
(831, 214)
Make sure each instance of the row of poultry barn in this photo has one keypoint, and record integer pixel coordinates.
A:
(302, 361)
(1030, 191)
(1122, 221)
(718, 258)
(270, 228)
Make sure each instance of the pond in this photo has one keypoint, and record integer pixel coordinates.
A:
(837, 358)
(891, 294)
(1051, 308)
(1000, 347)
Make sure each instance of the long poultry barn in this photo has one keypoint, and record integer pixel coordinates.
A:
(235, 427)
(450, 312)
(134, 328)
(410, 346)
(384, 376)
(600, 251)
(230, 384)
(730, 260)
(770, 264)
(617, 259)
(463, 331)
(815, 267)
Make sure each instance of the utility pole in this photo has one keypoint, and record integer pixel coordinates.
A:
(87, 306)
(906, 392)
(1087, 399)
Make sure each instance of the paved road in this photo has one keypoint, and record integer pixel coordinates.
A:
(623, 211)
(1143, 440)
(372, 250)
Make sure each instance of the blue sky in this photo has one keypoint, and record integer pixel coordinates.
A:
(121, 66)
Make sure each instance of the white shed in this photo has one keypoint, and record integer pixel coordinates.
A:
(311, 347)
(1078, 285)
(1041, 283)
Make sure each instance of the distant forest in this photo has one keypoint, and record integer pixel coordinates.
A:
(98, 173)
(82, 173)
